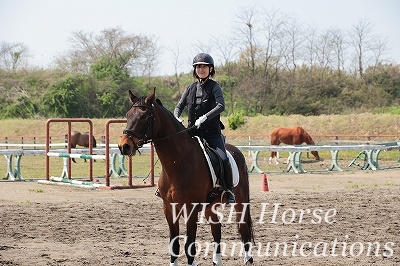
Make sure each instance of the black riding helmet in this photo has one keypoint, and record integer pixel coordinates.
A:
(203, 59)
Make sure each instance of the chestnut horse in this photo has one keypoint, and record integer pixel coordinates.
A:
(185, 182)
(81, 139)
(291, 136)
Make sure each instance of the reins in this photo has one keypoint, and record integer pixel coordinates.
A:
(176, 133)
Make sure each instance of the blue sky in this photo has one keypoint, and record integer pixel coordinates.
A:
(45, 25)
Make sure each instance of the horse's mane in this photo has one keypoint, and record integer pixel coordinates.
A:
(169, 114)
(142, 101)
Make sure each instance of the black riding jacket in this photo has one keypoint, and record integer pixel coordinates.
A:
(210, 102)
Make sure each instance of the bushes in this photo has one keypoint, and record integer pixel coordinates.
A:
(236, 120)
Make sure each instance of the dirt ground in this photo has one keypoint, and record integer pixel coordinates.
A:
(356, 222)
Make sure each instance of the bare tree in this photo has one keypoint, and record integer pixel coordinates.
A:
(274, 32)
(147, 57)
(136, 53)
(361, 38)
(339, 45)
(177, 62)
(247, 36)
(246, 31)
(12, 55)
(310, 45)
(274, 25)
(379, 50)
(292, 45)
(324, 49)
(227, 51)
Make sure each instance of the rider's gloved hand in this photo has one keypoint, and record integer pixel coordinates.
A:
(200, 120)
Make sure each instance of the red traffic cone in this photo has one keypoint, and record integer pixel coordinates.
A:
(265, 183)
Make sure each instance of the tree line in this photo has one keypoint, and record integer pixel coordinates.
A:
(270, 64)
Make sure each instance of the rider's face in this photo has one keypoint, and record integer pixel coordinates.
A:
(203, 71)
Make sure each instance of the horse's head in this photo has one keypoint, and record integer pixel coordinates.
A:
(139, 126)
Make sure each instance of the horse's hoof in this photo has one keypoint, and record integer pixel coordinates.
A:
(249, 262)
(217, 259)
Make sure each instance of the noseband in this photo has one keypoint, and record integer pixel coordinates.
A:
(143, 138)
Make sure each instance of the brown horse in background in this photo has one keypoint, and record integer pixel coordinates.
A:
(81, 139)
(185, 181)
(291, 136)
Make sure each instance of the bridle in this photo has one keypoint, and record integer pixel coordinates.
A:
(143, 138)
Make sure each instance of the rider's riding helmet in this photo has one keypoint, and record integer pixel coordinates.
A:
(203, 59)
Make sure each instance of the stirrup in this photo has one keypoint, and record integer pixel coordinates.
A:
(157, 193)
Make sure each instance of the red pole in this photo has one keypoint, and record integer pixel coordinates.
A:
(264, 186)
(107, 141)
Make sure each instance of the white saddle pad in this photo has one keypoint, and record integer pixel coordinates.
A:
(235, 170)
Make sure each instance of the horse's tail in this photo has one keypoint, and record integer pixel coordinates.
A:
(245, 187)
(249, 222)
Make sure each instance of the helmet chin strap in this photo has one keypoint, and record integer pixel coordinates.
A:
(202, 81)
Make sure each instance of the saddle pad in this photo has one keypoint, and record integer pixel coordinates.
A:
(235, 170)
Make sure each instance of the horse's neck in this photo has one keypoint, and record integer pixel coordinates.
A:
(170, 140)
(308, 139)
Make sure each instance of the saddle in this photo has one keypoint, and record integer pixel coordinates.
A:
(216, 163)
(216, 167)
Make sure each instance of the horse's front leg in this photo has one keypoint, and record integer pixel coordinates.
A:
(173, 235)
(216, 233)
(190, 245)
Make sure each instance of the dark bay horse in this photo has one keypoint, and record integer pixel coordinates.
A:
(291, 136)
(185, 181)
(81, 139)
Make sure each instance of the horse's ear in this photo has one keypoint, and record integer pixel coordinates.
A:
(132, 97)
(151, 97)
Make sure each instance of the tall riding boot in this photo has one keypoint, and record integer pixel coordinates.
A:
(230, 196)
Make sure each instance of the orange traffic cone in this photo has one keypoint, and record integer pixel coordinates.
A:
(265, 183)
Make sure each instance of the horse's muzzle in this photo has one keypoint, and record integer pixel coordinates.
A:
(125, 149)
(126, 146)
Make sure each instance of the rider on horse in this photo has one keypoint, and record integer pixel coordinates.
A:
(205, 102)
